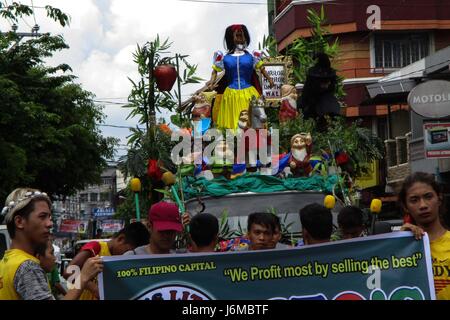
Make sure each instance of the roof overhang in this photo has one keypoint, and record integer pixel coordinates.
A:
(395, 87)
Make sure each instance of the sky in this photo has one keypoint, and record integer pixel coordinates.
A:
(103, 34)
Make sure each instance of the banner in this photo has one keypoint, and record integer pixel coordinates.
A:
(385, 267)
(111, 226)
(74, 226)
(437, 140)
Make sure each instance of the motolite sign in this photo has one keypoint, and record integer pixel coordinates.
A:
(431, 99)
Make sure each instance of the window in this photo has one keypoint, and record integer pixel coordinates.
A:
(393, 51)
(83, 197)
(93, 197)
(104, 196)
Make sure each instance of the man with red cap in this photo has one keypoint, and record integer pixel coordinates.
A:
(164, 224)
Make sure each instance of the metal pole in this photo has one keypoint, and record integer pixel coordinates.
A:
(138, 213)
(179, 84)
(372, 224)
(151, 85)
(389, 128)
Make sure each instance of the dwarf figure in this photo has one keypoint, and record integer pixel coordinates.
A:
(243, 123)
(222, 161)
(301, 149)
(201, 113)
(288, 108)
(201, 109)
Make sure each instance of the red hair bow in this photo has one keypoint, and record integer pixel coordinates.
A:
(236, 27)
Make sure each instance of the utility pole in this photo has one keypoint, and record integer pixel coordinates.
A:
(20, 35)
(151, 85)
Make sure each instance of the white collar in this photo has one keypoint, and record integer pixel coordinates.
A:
(238, 54)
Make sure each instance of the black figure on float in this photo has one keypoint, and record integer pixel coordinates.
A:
(318, 96)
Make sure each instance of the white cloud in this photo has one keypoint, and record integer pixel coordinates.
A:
(103, 35)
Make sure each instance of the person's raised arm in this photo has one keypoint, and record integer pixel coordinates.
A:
(79, 260)
(92, 267)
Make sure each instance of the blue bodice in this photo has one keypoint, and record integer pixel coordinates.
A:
(239, 70)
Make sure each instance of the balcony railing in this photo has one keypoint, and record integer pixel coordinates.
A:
(281, 5)
(398, 159)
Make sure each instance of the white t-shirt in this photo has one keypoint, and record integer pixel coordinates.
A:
(145, 249)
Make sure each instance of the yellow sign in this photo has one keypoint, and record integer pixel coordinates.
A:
(371, 179)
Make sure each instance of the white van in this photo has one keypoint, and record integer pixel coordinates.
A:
(5, 241)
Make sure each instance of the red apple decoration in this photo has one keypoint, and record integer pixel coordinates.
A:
(165, 76)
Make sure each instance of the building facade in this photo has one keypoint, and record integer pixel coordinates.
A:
(95, 202)
(376, 38)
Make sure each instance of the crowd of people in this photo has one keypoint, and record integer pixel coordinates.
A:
(28, 270)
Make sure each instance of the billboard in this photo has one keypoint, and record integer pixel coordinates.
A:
(74, 226)
(437, 140)
(110, 226)
(103, 212)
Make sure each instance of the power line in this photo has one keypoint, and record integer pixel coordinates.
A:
(225, 2)
(9, 19)
(111, 102)
(32, 8)
(119, 98)
(10, 24)
(26, 23)
(424, 4)
(118, 127)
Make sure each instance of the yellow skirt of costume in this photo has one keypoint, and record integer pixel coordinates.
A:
(233, 102)
(216, 107)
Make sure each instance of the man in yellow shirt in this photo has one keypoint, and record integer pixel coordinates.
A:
(27, 216)
(132, 236)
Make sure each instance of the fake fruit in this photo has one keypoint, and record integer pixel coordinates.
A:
(375, 206)
(329, 202)
(168, 178)
(135, 185)
(165, 76)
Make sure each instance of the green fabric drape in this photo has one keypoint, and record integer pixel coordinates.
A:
(200, 187)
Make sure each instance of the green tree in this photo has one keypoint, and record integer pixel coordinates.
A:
(15, 10)
(49, 136)
(303, 50)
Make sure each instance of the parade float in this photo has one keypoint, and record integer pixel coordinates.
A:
(248, 140)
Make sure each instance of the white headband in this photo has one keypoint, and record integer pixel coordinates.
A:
(8, 210)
